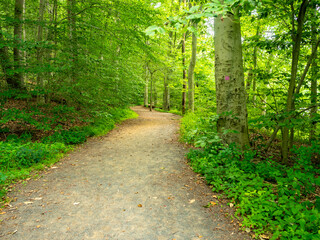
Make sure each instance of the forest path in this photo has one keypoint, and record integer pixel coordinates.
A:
(132, 184)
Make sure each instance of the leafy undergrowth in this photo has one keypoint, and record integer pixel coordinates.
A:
(35, 136)
(274, 201)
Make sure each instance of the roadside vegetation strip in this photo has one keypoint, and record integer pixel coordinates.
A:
(275, 201)
(20, 155)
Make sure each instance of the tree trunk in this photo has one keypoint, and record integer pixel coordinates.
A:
(229, 77)
(252, 73)
(294, 67)
(314, 85)
(155, 94)
(72, 36)
(184, 75)
(146, 86)
(5, 62)
(17, 53)
(24, 35)
(166, 94)
(150, 92)
(40, 80)
(191, 70)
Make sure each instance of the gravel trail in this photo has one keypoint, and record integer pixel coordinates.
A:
(132, 184)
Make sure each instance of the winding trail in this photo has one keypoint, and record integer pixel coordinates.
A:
(132, 184)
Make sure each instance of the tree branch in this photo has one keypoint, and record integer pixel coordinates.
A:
(306, 69)
(76, 14)
(274, 134)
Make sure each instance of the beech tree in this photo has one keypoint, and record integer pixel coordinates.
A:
(231, 97)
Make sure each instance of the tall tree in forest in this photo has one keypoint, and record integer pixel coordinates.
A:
(230, 91)
(184, 74)
(168, 71)
(146, 86)
(192, 66)
(296, 39)
(5, 61)
(314, 80)
(17, 80)
(40, 80)
(72, 35)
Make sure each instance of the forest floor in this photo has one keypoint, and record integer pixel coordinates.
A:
(132, 184)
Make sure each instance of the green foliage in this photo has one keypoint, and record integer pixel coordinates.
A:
(269, 197)
(74, 136)
(105, 121)
(199, 129)
(17, 155)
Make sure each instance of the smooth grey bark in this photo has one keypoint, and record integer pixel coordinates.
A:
(17, 80)
(232, 124)
(191, 70)
(296, 38)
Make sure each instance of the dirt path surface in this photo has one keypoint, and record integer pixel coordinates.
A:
(132, 184)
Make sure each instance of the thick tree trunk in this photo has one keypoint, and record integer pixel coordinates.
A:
(17, 53)
(294, 68)
(191, 71)
(232, 124)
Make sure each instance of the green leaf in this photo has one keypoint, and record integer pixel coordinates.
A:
(278, 213)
